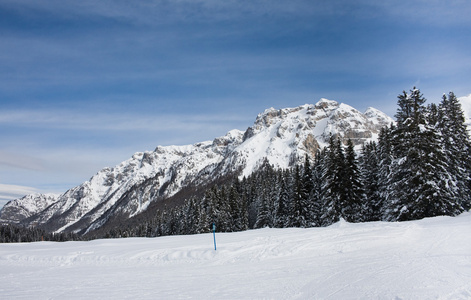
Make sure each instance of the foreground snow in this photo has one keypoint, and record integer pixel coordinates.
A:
(426, 259)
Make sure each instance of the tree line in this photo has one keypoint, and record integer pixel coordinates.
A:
(20, 234)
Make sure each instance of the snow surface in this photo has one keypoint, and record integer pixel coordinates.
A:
(426, 259)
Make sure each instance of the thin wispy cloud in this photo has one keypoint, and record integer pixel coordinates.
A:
(16, 189)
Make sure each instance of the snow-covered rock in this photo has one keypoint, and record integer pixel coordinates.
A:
(25, 207)
(466, 106)
(282, 136)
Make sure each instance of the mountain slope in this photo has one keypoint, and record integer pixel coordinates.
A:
(283, 137)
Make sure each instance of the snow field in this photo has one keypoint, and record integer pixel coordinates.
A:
(426, 259)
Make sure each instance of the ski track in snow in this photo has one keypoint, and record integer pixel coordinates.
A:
(426, 259)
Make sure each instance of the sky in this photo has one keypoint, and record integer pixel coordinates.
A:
(86, 84)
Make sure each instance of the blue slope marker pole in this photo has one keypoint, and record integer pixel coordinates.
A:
(214, 235)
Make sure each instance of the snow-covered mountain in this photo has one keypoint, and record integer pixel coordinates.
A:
(282, 136)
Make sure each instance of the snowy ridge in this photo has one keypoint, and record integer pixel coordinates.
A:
(282, 136)
(424, 259)
(26, 207)
(96, 196)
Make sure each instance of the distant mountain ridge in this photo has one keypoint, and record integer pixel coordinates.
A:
(281, 136)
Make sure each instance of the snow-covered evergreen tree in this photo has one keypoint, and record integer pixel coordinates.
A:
(297, 209)
(385, 159)
(456, 145)
(307, 187)
(353, 186)
(333, 190)
(370, 170)
(282, 204)
(316, 199)
(417, 186)
(263, 216)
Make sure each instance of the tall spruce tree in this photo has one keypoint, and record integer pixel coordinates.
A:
(317, 183)
(456, 145)
(307, 187)
(385, 159)
(417, 186)
(283, 204)
(297, 214)
(333, 191)
(263, 216)
(354, 194)
(370, 173)
(235, 211)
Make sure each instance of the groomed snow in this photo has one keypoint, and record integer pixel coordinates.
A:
(426, 259)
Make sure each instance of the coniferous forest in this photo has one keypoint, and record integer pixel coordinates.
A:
(419, 167)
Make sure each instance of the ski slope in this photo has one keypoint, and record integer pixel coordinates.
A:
(426, 259)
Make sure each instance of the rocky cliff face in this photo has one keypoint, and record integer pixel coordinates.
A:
(282, 136)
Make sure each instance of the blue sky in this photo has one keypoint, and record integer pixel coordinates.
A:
(85, 84)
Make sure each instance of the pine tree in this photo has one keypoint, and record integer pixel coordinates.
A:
(283, 205)
(385, 160)
(316, 198)
(234, 209)
(244, 198)
(190, 216)
(307, 190)
(251, 196)
(417, 185)
(332, 190)
(224, 218)
(238, 208)
(354, 195)
(456, 145)
(263, 216)
(297, 212)
(210, 204)
(370, 173)
(258, 197)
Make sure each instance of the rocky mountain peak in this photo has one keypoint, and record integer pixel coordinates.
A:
(281, 136)
(326, 104)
